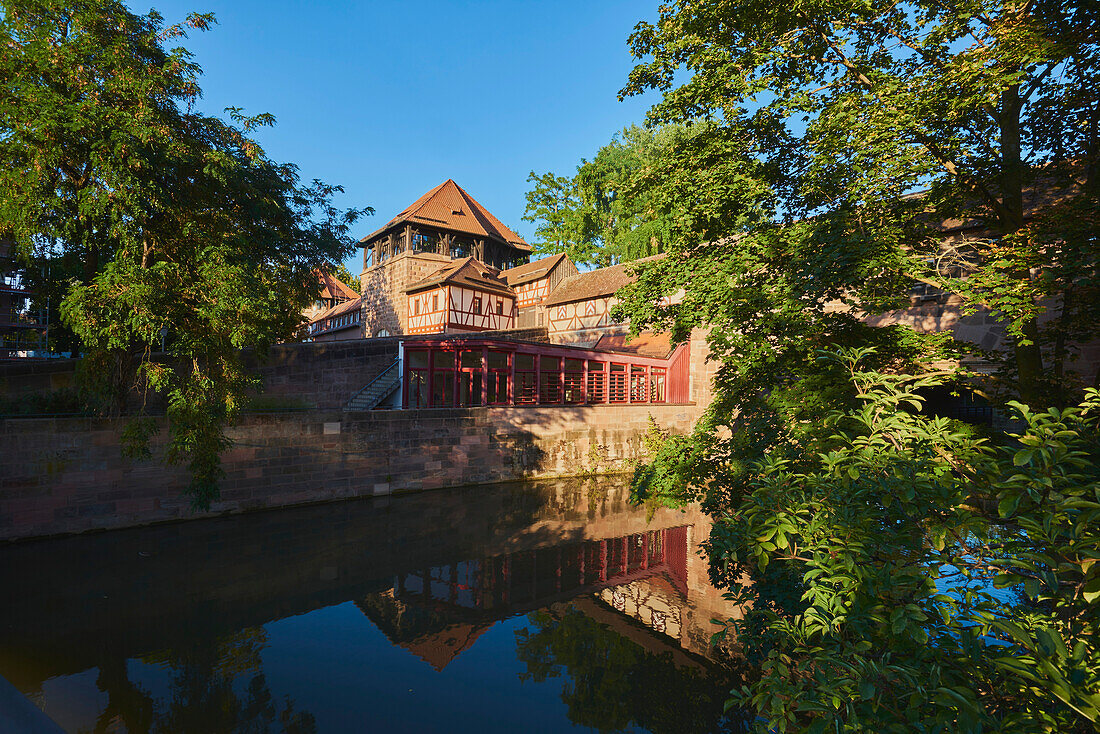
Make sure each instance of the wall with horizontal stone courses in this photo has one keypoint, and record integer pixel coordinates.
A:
(32, 376)
(61, 475)
(322, 375)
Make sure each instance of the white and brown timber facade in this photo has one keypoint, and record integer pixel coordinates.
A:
(443, 226)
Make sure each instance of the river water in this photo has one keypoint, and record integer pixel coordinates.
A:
(535, 607)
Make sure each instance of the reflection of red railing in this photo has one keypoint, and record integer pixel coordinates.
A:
(530, 579)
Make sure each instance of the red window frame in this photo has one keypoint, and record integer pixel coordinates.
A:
(639, 383)
(658, 384)
(443, 378)
(469, 378)
(573, 381)
(617, 383)
(525, 385)
(550, 379)
(596, 389)
(497, 379)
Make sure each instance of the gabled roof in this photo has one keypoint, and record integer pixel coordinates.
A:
(448, 206)
(466, 272)
(594, 284)
(333, 287)
(532, 271)
(339, 309)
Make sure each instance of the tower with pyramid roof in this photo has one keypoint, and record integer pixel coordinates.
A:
(444, 225)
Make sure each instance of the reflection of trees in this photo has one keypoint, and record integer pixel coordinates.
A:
(208, 693)
(614, 683)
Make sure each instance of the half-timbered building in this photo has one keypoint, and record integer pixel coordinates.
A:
(578, 311)
(342, 321)
(533, 283)
(444, 225)
(333, 292)
(466, 295)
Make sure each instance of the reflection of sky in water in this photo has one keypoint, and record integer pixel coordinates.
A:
(336, 664)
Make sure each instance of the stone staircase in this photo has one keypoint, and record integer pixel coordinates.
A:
(377, 390)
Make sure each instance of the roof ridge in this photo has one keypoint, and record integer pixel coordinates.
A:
(438, 206)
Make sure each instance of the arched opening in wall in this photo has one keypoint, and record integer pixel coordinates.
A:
(382, 332)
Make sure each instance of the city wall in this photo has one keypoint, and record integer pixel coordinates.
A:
(68, 475)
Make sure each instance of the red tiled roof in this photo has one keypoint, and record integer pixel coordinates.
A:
(646, 344)
(339, 309)
(532, 271)
(333, 287)
(594, 284)
(448, 206)
(465, 272)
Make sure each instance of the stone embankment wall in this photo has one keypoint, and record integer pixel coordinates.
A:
(64, 475)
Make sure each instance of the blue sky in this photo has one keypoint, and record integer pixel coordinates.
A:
(391, 98)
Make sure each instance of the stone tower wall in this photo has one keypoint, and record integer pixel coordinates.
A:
(385, 305)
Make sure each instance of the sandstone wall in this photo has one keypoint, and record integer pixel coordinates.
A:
(64, 475)
(385, 304)
(323, 376)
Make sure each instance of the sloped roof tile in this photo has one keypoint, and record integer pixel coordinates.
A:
(333, 287)
(533, 270)
(465, 272)
(595, 283)
(448, 206)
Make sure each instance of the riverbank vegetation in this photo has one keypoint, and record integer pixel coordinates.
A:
(905, 571)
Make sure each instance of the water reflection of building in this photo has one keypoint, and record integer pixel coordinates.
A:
(440, 611)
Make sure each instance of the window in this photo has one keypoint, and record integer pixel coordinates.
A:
(416, 307)
(549, 379)
(443, 379)
(496, 378)
(638, 384)
(424, 242)
(417, 362)
(616, 384)
(526, 391)
(382, 332)
(469, 378)
(574, 381)
(477, 305)
(435, 301)
(500, 308)
(597, 382)
(658, 384)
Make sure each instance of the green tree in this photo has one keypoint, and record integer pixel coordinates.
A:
(849, 107)
(896, 534)
(179, 219)
(600, 216)
(791, 216)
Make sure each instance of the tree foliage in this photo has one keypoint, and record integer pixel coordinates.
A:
(841, 137)
(181, 222)
(600, 216)
(849, 107)
(899, 530)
